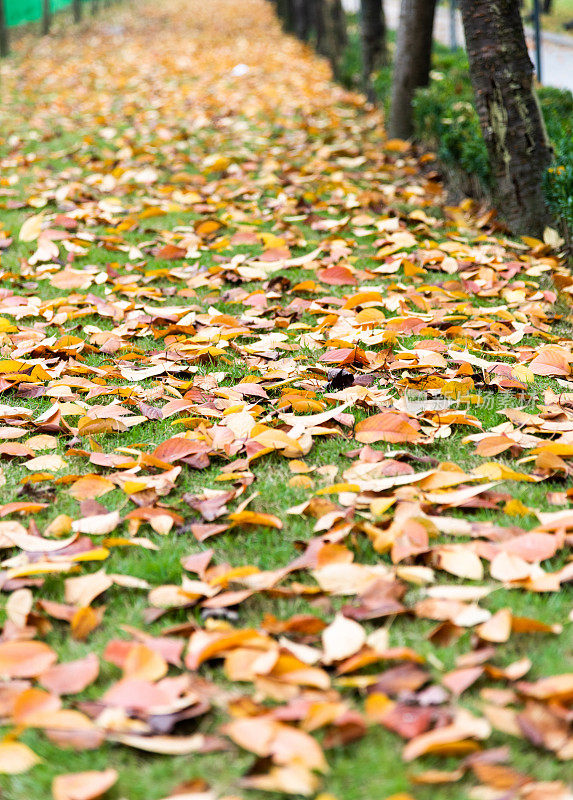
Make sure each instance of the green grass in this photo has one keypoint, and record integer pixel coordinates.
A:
(562, 13)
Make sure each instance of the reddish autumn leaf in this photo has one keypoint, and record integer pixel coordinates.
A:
(25, 659)
(406, 721)
(532, 546)
(344, 355)
(551, 360)
(71, 677)
(387, 427)
(135, 693)
(173, 449)
(337, 276)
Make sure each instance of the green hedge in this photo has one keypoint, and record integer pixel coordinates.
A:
(446, 120)
(21, 12)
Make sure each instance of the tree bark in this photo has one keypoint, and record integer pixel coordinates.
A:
(302, 19)
(4, 37)
(334, 37)
(286, 13)
(339, 18)
(46, 17)
(317, 13)
(509, 113)
(77, 8)
(374, 45)
(412, 62)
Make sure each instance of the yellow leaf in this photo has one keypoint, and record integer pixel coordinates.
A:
(523, 373)
(31, 228)
(6, 326)
(252, 518)
(10, 366)
(515, 508)
(499, 472)
(270, 240)
(336, 488)
(51, 463)
(16, 757)
(300, 482)
(97, 554)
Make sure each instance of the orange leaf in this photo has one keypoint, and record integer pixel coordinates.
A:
(387, 427)
(91, 486)
(83, 785)
(551, 360)
(254, 518)
(25, 659)
(16, 758)
(144, 664)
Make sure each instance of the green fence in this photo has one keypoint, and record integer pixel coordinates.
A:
(19, 12)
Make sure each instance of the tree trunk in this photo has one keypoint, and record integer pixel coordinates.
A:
(339, 17)
(509, 113)
(547, 7)
(374, 46)
(95, 7)
(302, 19)
(412, 62)
(334, 35)
(77, 8)
(4, 38)
(286, 14)
(46, 17)
(320, 28)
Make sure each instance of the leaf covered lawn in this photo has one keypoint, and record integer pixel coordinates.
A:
(286, 440)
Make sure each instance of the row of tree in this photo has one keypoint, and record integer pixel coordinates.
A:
(320, 22)
(45, 23)
(501, 73)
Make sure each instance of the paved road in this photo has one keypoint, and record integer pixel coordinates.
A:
(557, 50)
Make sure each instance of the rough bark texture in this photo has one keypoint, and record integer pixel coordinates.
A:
(4, 39)
(511, 120)
(374, 46)
(412, 64)
(77, 8)
(46, 17)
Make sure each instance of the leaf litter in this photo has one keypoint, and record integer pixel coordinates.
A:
(221, 274)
